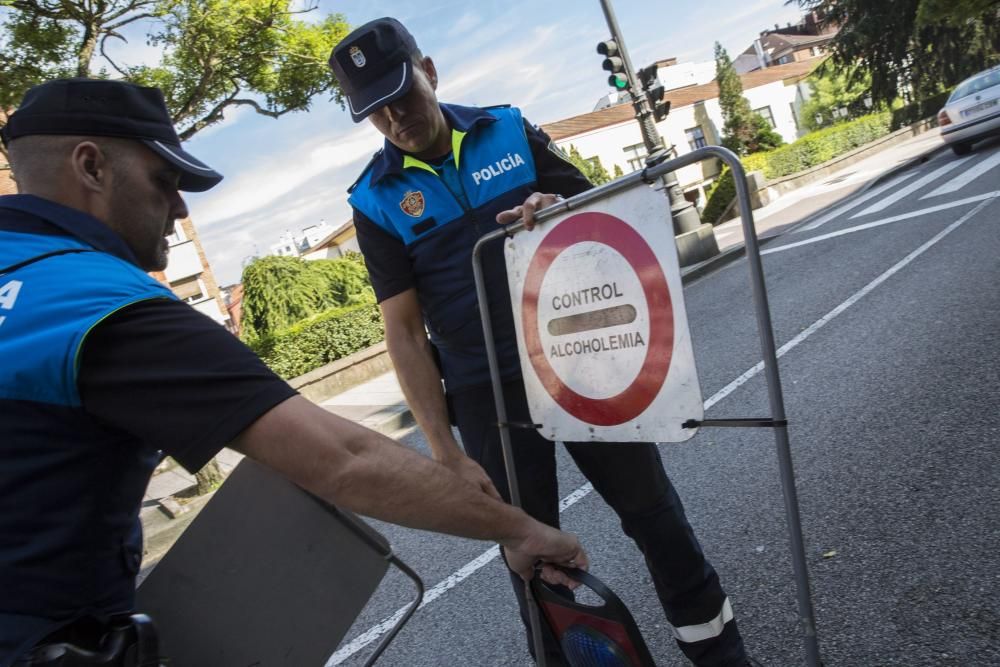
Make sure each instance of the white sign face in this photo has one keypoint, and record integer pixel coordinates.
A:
(602, 331)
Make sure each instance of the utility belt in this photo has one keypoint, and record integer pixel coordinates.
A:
(123, 641)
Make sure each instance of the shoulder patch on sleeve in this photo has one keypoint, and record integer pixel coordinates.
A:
(364, 171)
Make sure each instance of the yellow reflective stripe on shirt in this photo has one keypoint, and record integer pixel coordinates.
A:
(456, 144)
(410, 161)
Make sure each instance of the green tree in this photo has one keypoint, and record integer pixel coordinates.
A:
(216, 54)
(743, 131)
(955, 12)
(905, 58)
(281, 291)
(835, 96)
(591, 167)
(618, 171)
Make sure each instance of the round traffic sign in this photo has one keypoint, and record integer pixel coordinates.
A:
(627, 404)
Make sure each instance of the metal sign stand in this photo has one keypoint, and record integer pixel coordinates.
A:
(777, 421)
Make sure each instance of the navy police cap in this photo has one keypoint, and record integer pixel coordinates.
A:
(374, 65)
(96, 107)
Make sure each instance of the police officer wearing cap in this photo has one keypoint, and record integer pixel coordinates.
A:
(103, 369)
(446, 174)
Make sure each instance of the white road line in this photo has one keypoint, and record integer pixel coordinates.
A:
(967, 176)
(491, 554)
(373, 633)
(928, 179)
(885, 221)
(840, 210)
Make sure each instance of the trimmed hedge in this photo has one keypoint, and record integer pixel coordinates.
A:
(326, 337)
(813, 149)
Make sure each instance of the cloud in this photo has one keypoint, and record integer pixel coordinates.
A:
(229, 240)
(466, 24)
(275, 176)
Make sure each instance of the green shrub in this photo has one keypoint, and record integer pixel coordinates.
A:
(721, 194)
(818, 147)
(813, 149)
(321, 339)
(280, 291)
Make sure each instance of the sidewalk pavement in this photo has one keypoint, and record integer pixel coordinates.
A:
(379, 403)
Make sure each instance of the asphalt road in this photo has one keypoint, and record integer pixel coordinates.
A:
(887, 311)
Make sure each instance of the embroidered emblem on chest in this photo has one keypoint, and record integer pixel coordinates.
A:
(357, 55)
(413, 203)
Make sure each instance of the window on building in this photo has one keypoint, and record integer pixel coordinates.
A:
(816, 51)
(635, 155)
(695, 137)
(189, 290)
(768, 116)
(784, 60)
(795, 118)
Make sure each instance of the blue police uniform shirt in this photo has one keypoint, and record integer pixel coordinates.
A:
(418, 222)
(73, 465)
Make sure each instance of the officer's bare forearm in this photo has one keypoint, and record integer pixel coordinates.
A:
(368, 473)
(417, 372)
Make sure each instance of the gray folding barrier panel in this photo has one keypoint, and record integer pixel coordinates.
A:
(267, 574)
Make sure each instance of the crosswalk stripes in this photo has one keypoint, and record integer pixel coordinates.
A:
(915, 186)
(909, 215)
(966, 176)
(854, 203)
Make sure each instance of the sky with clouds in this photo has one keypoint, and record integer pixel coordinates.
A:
(292, 172)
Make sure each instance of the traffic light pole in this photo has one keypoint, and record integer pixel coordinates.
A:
(684, 214)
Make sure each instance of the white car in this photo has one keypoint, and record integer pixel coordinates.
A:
(972, 111)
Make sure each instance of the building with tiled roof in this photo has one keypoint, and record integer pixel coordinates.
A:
(810, 38)
(612, 134)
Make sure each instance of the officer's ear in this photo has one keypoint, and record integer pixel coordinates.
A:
(430, 70)
(90, 166)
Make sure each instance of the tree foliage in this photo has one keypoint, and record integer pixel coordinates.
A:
(836, 96)
(906, 57)
(955, 12)
(743, 130)
(216, 54)
(281, 291)
(590, 167)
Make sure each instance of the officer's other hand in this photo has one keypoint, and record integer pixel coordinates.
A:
(473, 473)
(551, 547)
(535, 202)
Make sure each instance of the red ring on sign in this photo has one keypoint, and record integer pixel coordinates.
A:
(615, 233)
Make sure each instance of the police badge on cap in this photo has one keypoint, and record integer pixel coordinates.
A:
(358, 56)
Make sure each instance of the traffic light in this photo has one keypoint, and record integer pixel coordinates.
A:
(654, 92)
(614, 63)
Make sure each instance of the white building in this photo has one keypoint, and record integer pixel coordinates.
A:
(336, 244)
(297, 245)
(695, 120)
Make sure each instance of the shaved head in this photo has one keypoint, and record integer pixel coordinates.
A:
(36, 160)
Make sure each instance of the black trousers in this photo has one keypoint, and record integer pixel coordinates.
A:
(631, 479)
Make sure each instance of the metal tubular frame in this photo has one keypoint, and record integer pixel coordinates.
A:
(768, 351)
(384, 644)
